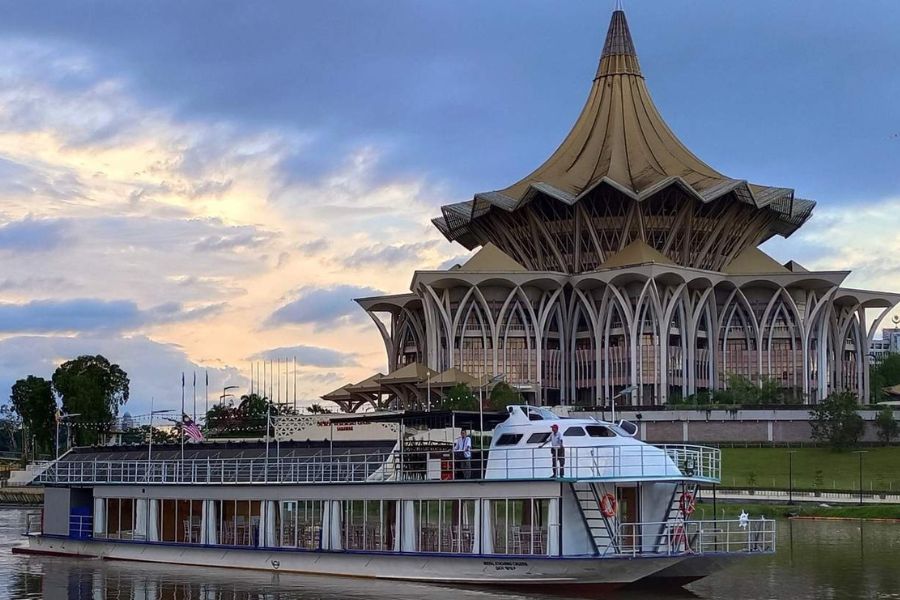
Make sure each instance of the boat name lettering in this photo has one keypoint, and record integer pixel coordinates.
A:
(505, 565)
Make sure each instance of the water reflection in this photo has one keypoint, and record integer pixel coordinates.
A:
(816, 559)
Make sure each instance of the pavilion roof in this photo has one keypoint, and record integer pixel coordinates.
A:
(411, 373)
(451, 377)
(369, 385)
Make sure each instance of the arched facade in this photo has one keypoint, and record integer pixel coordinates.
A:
(625, 260)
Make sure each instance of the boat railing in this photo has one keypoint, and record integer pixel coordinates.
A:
(587, 463)
(698, 537)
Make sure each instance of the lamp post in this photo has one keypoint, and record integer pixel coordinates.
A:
(150, 440)
(791, 454)
(860, 453)
(58, 420)
(225, 393)
(626, 390)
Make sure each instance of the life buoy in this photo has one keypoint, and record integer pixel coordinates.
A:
(687, 503)
(608, 505)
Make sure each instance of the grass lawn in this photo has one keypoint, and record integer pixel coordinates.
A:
(732, 510)
(839, 470)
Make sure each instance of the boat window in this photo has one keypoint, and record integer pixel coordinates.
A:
(509, 439)
(599, 431)
(538, 438)
(535, 417)
(574, 431)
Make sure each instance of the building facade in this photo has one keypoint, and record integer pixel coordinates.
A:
(625, 263)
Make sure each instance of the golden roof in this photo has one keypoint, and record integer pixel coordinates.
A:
(636, 253)
(753, 261)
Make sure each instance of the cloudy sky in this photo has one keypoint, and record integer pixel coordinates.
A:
(196, 185)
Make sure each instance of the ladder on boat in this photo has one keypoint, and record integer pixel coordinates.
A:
(675, 518)
(601, 528)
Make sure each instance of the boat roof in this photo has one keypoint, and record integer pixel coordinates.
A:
(228, 450)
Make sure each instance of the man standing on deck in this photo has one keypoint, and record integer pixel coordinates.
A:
(462, 455)
(557, 451)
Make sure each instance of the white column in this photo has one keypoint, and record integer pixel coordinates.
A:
(553, 528)
(476, 529)
(153, 521)
(268, 533)
(140, 518)
(409, 531)
(99, 517)
(331, 526)
(486, 532)
(209, 530)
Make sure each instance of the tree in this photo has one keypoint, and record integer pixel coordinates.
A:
(318, 409)
(887, 427)
(95, 389)
(460, 397)
(502, 395)
(10, 430)
(884, 374)
(138, 435)
(32, 399)
(836, 421)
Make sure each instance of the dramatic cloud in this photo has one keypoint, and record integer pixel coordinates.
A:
(154, 368)
(389, 255)
(33, 235)
(323, 307)
(312, 356)
(90, 314)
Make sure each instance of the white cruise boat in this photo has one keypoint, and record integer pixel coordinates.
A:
(619, 511)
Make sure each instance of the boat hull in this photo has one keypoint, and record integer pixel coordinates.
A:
(437, 568)
(690, 569)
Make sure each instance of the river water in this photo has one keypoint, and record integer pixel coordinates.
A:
(815, 560)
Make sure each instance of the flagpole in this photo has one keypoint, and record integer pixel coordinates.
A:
(182, 416)
(295, 383)
(206, 395)
(194, 416)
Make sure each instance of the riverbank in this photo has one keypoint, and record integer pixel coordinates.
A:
(811, 468)
(731, 510)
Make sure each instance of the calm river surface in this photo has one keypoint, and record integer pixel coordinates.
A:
(815, 559)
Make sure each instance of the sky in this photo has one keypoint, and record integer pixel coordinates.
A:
(195, 186)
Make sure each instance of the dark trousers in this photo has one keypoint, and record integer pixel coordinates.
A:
(462, 465)
(559, 461)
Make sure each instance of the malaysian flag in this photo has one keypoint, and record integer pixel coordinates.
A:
(191, 429)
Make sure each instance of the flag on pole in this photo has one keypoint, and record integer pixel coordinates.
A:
(191, 429)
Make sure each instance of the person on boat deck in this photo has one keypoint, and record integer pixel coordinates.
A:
(462, 455)
(557, 451)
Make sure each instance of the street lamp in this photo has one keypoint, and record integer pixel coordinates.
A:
(150, 440)
(626, 390)
(860, 453)
(225, 393)
(58, 419)
(791, 454)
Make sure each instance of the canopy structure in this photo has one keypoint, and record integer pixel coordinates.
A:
(436, 419)
(622, 175)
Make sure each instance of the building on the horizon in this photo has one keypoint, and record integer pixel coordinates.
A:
(623, 260)
(888, 344)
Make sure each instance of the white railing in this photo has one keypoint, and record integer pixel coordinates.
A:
(33, 523)
(697, 537)
(595, 463)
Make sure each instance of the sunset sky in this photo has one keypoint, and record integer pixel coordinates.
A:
(196, 185)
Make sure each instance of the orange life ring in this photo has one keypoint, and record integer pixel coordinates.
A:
(608, 505)
(687, 503)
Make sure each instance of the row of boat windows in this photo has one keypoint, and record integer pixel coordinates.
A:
(504, 526)
(512, 439)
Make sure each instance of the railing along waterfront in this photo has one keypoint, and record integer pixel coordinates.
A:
(622, 462)
(697, 537)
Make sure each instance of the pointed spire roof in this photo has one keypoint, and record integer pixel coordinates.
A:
(620, 134)
(620, 139)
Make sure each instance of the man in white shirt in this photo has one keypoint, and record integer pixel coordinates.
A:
(462, 455)
(557, 451)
